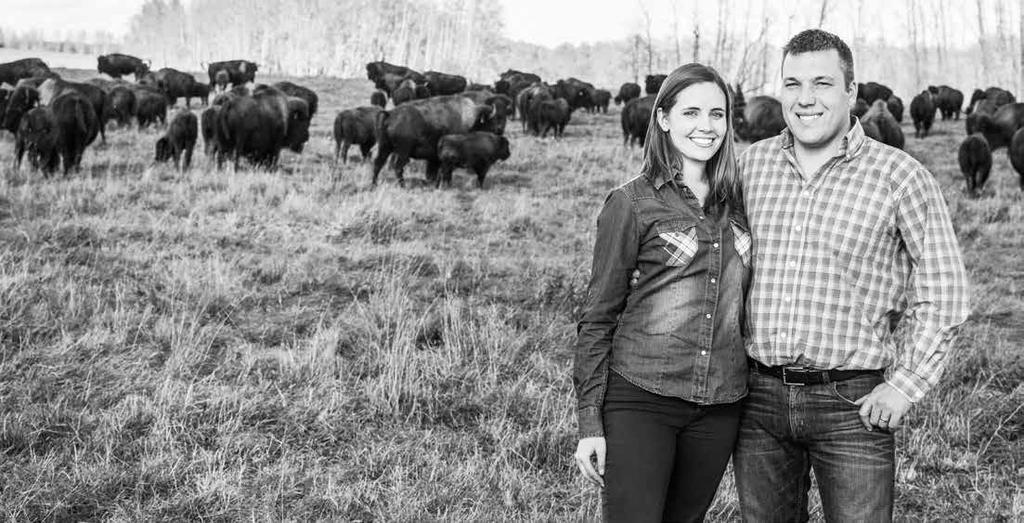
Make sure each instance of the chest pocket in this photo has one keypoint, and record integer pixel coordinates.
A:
(680, 244)
(742, 241)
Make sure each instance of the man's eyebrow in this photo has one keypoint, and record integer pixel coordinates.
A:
(816, 78)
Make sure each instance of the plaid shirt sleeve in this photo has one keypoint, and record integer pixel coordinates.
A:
(938, 296)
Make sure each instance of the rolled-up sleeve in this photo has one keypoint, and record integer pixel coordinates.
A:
(939, 300)
(615, 254)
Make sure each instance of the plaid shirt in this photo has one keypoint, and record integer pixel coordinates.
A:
(856, 267)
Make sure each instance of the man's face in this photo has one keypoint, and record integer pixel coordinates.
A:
(815, 100)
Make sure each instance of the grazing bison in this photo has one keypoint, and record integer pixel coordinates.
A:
(553, 114)
(377, 72)
(997, 96)
(573, 91)
(872, 91)
(948, 101)
(116, 65)
(413, 129)
(441, 83)
(636, 117)
(975, 158)
(528, 102)
(54, 87)
(179, 141)
(984, 107)
(173, 83)
(299, 91)
(20, 101)
(239, 72)
(999, 127)
(477, 151)
(652, 83)
(757, 119)
(922, 112)
(150, 106)
(257, 127)
(379, 99)
(627, 92)
(208, 128)
(201, 91)
(895, 106)
(38, 135)
(11, 72)
(78, 125)
(221, 81)
(600, 99)
(512, 83)
(859, 108)
(355, 126)
(121, 103)
(884, 124)
(1017, 155)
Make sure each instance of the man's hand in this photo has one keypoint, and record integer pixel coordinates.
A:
(883, 407)
(585, 453)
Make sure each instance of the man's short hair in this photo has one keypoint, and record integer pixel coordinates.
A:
(811, 40)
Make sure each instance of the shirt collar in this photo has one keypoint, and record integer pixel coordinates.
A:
(849, 148)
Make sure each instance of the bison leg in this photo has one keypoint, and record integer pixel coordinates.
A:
(19, 152)
(344, 150)
(365, 149)
(445, 175)
(432, 167)
(188, 158)
(481, 172)
(399, 162)
(383, 152)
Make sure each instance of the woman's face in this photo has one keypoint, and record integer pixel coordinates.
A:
(696, 123)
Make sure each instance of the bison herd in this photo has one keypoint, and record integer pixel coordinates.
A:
(437, 117)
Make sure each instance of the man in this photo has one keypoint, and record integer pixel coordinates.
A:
(858, 291)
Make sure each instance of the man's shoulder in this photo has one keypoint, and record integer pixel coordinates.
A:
(762, 149)
(898, 164)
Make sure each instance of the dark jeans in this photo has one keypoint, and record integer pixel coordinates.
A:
(665, 456)
(787, 430)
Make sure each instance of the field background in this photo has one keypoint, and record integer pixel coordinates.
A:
(223, 346)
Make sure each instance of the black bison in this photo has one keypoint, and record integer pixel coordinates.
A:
(872, 91)
(757, 119)
(299, 91)
(150, 106)
(38, 135)
(413, 129)
(554, 114)
(578, 93)
(502, 103)
(652, 83)
(201, 91)
(208, 128)
(627, 92)
(121, 103)
(881, 125)
(513, 82)
(179, 141)
(379, 99)
(11, 72)
(441, 83)
(999, 127)
(173, 83)
(54, 87)
(895, 105)
(922, 112)
(240, 72)
(975, 158)
(948, 101)
(355, 126)
(476, 151)
(257, 127)
(984, 107)
(996, 95)
(116, 65)
(859, 108)
(1017, 155)
(376, 72)
(221, 81)
(528, 101)
(599, 100)
(635, 117)
(21, 100)
(405, 92)
(78, 125)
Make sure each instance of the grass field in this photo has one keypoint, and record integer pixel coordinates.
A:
(225, 346)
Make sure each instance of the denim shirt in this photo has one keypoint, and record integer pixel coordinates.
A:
(678, 331)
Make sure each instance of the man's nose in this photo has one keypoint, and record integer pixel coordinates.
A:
(806, 96)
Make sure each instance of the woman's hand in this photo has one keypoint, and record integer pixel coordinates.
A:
(585, 453)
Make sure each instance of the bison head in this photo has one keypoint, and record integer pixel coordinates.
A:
(163, 150)
(298, 124)
(489, 119)
(22, 100)
(504, 150)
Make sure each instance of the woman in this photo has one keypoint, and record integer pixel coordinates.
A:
(660, 365)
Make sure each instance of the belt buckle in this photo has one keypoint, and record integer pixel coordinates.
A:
(785, 379)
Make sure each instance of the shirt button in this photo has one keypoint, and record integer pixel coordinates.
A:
(715, 245)
(703, 353)
(786, 299)
(712, 280)
(782, 335)
(702, 217)
(708, 316)
(792, 263)
(798, 228)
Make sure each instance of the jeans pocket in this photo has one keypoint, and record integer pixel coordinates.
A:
(851, 390)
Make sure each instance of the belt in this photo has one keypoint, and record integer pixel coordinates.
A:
(797, 375)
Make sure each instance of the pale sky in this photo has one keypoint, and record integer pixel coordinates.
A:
(552, 22)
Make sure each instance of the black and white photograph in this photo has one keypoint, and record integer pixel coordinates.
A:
(512, 260)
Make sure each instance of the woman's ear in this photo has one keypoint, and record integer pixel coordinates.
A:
(662, 119)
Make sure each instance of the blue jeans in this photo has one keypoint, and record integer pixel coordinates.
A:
(787, 430)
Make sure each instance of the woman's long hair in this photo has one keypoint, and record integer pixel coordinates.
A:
(661, 157)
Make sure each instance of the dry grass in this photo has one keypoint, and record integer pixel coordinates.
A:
(252, 345)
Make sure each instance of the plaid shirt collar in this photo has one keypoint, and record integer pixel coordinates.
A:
(849, 148)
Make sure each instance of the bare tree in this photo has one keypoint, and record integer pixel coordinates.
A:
(675, 32)
(822, 13)
(981, 42)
